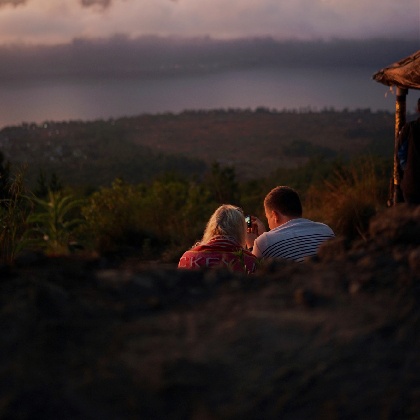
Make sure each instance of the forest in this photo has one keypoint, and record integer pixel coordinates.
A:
(144, 186)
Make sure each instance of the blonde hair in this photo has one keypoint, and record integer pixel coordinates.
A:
(227, 220)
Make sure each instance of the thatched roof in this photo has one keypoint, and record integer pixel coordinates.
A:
(404, 73)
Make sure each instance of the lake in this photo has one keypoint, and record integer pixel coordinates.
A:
(275, 88)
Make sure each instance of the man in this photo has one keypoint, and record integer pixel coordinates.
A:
(290, 236)
(409, 159)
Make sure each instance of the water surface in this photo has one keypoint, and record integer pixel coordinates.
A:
(293, 88)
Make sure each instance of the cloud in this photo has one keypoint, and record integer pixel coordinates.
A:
(162, 57)
(13, 3)
(60, 21)
(102, 3)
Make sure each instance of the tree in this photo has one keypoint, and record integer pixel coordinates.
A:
(223, 185)
(43, 186)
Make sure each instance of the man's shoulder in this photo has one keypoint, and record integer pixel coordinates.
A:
(311, 224)
(305, 222)
(300, 226)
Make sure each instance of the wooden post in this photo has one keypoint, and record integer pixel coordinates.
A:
(400, 119)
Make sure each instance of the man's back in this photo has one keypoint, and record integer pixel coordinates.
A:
(294, 240)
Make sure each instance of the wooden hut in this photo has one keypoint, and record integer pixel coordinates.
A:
(403, 75)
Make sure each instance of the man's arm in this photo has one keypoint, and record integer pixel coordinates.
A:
(252, 233)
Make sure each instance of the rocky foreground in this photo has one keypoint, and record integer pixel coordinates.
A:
(333, 338)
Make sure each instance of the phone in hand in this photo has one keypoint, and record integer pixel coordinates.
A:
(248, 221)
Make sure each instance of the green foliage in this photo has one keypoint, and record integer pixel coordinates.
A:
(350, 197)
(113, 216)
(54, 222)
(14, 211)
(304, 148)
(343, 194)
(148, 219)
(160, 220)
(43, 186)
(223, 185)
(5, 180)
(178, 211)
(313, 173)
(155, 216)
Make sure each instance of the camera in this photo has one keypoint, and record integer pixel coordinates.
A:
(248, 221)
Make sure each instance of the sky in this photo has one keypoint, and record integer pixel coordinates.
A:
(50, 22)
(73, 40)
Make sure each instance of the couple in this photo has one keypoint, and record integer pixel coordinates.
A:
(227, 240)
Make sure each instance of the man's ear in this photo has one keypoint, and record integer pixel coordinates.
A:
(277, 216)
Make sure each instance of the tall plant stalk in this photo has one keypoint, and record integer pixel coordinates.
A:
(55, 222)
(14, 211)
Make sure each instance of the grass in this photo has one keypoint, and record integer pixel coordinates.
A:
(349, 199)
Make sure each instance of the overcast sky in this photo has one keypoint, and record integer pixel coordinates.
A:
(58, 21)
(126, 39)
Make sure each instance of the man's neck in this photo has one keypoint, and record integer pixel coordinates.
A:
(284, 219)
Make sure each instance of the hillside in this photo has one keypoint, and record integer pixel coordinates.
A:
(261, 141)
(337, 337)
(142, 147)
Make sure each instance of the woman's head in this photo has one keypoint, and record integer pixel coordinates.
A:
(227, 220)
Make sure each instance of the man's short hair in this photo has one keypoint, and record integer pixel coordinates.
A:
(285, 200)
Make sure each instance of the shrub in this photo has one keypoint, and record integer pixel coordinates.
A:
(350, 198)
(14, 211)
(54, 222)
(114, 217)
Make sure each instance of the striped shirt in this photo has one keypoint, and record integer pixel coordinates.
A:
(294, 240)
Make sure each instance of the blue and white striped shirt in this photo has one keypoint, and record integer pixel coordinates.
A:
(294, 240)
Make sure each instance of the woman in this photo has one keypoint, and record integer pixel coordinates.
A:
(223, 243)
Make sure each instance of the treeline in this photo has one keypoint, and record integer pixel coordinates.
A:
(88, 154)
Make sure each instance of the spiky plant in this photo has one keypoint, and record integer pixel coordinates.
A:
(54, 222)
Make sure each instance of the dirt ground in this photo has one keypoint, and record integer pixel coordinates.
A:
(336, 337)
